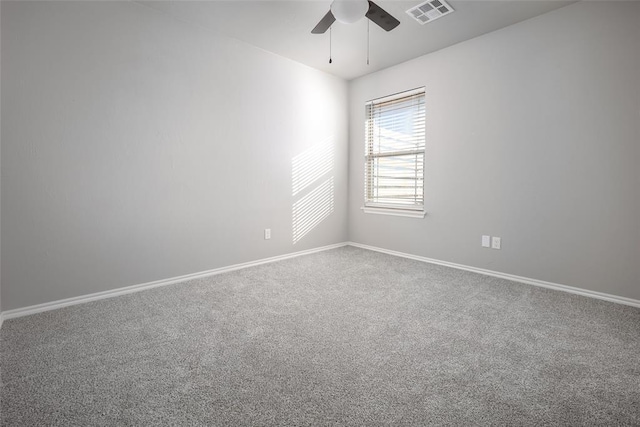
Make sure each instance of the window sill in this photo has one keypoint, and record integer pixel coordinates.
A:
(411, 213)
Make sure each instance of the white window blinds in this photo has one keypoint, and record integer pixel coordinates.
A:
(395, 146)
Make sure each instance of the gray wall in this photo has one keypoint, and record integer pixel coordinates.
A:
(138, 148)
(533, 135)
(0, 165)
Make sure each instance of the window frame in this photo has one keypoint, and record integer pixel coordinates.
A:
(398, 209)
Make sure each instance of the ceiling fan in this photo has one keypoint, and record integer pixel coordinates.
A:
(350, 11)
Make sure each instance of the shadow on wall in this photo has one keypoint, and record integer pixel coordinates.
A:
(313, 192)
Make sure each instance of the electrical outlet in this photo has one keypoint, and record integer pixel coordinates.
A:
(267, 233)
(496, 242)
(486, 241)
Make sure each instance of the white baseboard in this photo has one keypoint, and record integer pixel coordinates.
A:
(10, 314)
(520, 279)
(19, 312)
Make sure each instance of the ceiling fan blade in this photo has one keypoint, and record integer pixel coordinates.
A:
(324, 23)
(379, 16)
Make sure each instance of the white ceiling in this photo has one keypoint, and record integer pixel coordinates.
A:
(284, 28)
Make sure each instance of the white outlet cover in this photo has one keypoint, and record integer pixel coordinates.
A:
(267, 233)
(496, 242)
(486, 241)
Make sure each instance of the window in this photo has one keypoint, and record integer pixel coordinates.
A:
(394, 157)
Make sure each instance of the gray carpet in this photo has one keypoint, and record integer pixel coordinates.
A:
(343, 337)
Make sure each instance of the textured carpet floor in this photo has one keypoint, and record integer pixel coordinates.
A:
(344, 337)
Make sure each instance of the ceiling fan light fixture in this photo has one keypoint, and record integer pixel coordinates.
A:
(349, 11)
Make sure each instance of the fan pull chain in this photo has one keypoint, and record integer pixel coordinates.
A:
(330, 33)
(368, 44)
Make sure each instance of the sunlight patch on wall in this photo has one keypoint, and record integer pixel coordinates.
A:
(312, 187)
(311, 209)
(311, 165)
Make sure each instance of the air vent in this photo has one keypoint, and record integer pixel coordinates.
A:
(430, 11)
